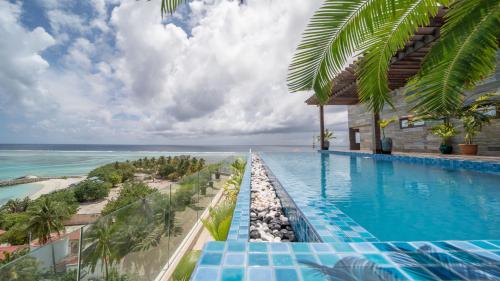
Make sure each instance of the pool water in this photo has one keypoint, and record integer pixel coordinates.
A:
(397, 201)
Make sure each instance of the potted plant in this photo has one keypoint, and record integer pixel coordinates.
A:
(474, 117)
(472, 124)
(327, 136)
(446, 131)
(386, 142)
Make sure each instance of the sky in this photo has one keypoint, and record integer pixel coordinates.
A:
(115, 72)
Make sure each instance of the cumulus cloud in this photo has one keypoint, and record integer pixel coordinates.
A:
(214, 73)
(22, 63)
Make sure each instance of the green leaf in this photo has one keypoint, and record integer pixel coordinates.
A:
(186, 266)
(170, 6)
(224, 228)
(372, 73)
(464, 55)
(335, 32)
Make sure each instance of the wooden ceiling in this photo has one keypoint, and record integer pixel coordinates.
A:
(404, 64)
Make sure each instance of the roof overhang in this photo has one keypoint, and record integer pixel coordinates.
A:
(404, 64)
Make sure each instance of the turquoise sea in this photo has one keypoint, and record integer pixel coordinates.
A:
(17, 160)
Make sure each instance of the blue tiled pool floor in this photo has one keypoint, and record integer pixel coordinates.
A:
(330, 223)
(443, 260)
(361, 198)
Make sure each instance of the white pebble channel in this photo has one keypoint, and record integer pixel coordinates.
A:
(267, 220)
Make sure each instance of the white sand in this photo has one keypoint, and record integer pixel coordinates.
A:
(162, 185)
(54, 184)
(97, 206)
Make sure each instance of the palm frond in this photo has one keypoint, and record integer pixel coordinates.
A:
(464, 55)
(372, 73)
(335, 32)
(219, 221)
(186, 266)
(170, 6)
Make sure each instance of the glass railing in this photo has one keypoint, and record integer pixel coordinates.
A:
(135, 242)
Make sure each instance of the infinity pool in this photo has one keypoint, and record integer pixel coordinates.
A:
(394, 200)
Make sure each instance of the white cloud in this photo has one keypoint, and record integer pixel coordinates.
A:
(218, 77)
(22, 63)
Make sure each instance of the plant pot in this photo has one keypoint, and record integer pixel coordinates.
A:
(386, 145)
(217, 175)
(468, 149)
(445, 148)
(326, 145)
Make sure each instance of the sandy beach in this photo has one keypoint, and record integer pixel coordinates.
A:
(53, 185)
(162, 185)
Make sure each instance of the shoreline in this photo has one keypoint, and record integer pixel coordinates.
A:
(30, 179)
(51, 185)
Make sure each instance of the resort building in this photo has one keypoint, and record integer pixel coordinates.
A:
(408, 135)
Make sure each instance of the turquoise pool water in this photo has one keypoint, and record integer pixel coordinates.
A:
(397, 201)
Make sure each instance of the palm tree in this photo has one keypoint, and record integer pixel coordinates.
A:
(464, 55)
(340, 30)
(47, 217)
(16, 205)
(100, 246)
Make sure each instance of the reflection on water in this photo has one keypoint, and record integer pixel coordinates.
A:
(401, 201)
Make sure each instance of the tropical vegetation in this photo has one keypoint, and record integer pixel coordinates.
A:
(219, 219)
(232, 186)
(374, 30)
(383, 123)
(445, 131)
(91, 190)
(129, 193)
(186, 266)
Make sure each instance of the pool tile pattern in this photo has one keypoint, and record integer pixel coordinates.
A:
(240, 223)
(327, 221)
(477, 166)
(441, 260)
(303, 229)
(347, 248)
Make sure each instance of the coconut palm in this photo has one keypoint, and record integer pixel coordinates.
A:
(99, 243)
(47, 217)
(464, 55)
(16, 205)
(340, 30)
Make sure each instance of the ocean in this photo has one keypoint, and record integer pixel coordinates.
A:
(18, 160)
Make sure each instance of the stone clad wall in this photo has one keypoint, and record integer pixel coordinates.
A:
(362, 121)
(418, 139)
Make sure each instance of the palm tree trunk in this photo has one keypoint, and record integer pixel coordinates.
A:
(106, 267)
(53, 255)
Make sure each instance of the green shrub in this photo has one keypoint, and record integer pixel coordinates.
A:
(109, 172)
(186, 266)
(15, 226)
(183, 197)
(129, 193)
(115, 178)
(167, 170)
(66, 196)
(91, 190)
